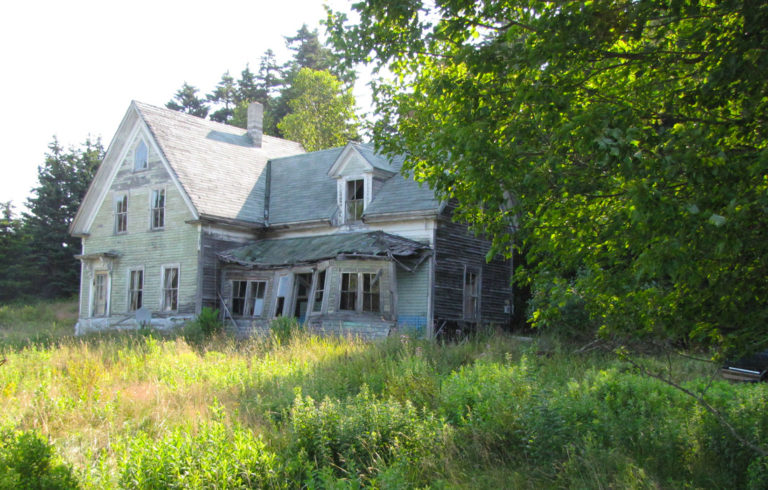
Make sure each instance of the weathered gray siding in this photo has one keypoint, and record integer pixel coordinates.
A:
(174, 245)
(456, 248)
(214, 241)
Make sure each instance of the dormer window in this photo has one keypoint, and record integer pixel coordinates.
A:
(141, 156)
(355, 200)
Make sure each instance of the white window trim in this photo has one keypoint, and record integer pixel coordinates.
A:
(117, 197)
(128, 286)
(341, 190)
(151, 209)
(315, 287)
(360, 293)
(162, 287)
(139, 141)
(108, 293)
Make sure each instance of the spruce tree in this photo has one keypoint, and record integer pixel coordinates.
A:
(63, 181)
(224, 94)
(186, 100)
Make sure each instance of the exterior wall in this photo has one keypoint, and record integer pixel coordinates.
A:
(214, 240)
(176, 244)
(417, 229)
(456, 248)
(413, 297)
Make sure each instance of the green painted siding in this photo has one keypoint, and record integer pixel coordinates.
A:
(413, 296)
(176, 244)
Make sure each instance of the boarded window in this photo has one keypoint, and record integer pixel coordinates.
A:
(100, 294)
(121, 214)
(136, 290)
(471, 294)
(141, 156)
(371, 292)
(170, 289)
(158, 209)
(348, 291)
(355, 200)
(317, 305)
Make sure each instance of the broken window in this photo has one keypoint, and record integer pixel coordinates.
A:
(136, 290)
(471, 294)
(170, 289)
(317, 305)
(239, 290)
(100, 286)
(348, 291)
(363, 286)
(371, 292)
(141, 156)
(158, 209)
(302, 285)
(355, 200)
(121, 214)
(248, 298)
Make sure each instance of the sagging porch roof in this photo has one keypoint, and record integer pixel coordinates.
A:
(292, 251)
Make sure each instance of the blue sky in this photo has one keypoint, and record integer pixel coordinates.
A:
(71, 68)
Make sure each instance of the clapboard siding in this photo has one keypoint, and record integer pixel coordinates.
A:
(174, 245)
(413, 295)
(456, 248)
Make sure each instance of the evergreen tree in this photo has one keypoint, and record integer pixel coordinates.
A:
(224, 94)
(186, 100)
(247, 90)
(14, 281)
(63, 180)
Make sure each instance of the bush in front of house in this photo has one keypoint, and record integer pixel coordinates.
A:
(28, 461)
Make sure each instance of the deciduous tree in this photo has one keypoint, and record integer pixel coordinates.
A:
(621, 145)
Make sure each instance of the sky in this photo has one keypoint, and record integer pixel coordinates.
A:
(71, 68)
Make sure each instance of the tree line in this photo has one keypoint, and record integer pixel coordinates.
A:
(307, 99)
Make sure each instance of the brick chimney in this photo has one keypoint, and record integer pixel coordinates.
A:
(255, 123)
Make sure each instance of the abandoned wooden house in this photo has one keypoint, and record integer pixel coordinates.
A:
(186, 213)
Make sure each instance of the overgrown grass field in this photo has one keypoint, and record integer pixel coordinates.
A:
(292, 411)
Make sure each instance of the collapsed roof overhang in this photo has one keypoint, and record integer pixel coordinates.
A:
(283, 252)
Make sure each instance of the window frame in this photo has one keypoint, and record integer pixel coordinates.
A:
(130, 302)
(320, 288)
(145, 162)
(121, 216)
(107, 291)
(359, 202)
(154, 210)
(472, 296)
(249, 297)
(360, 292)
(163, 288)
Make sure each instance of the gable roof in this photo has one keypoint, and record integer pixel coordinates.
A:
(301, 189)
(216, 164)
(292, 251)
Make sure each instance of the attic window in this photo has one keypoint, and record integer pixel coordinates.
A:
(355, 200)
(141, 156)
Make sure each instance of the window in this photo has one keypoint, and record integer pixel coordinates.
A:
(370, 292)
(360, 292)
(248, 298)
(348, 291)
(471, 294)
(239, 291)
(355, 200)
(301, 285)
(158, 209)
(317, 305)
(100, 286)
(170, 289)
(121, 214)
(136, 290)
(141, 156)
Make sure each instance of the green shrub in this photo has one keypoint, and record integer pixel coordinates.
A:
(364, 438)
(28, 461)
(212, 456)
(204, 326)
(283, 328)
